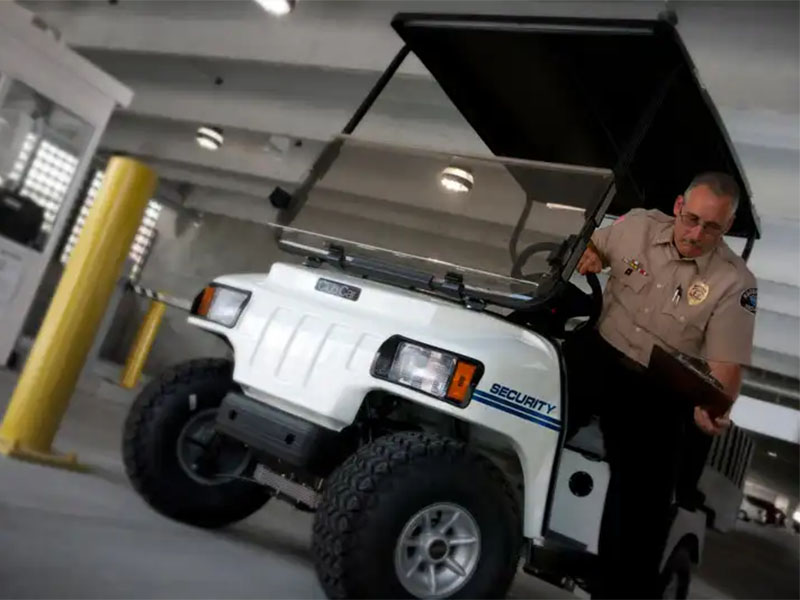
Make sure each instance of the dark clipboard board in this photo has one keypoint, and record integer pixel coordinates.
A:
(677, 373)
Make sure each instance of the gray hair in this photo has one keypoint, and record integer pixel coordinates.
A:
(721, 184)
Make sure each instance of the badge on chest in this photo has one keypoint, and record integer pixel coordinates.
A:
(697, 292)
(633, 265)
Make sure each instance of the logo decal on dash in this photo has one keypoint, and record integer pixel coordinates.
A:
(522, 399)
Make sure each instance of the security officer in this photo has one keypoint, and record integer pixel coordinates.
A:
(673, 282)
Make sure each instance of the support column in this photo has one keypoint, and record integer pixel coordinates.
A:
(142, 345)
(51, 372)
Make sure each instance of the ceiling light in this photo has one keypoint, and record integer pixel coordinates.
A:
(209, 138)
(565, 207)
(456, 179)
(277, 7)
(772, 454)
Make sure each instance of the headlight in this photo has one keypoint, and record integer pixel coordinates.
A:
(435, 372)
(427, 370)
(220, 304)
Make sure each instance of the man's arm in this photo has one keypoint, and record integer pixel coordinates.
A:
(730, 376)
(596, 256)
(592, 260)
(728, 345)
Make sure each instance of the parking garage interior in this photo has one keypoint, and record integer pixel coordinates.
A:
(228, 102)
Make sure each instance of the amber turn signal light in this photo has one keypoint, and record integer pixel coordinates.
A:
(205, 301)
(461, 381)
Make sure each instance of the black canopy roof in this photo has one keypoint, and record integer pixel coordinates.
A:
(620, 94)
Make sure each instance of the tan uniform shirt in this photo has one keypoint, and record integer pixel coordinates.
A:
(702, 306)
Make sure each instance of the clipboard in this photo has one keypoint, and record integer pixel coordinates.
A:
(678, 372)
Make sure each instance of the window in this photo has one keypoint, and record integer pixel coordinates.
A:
(142, 241)
(47, 179)
(41, 147)
(97, 179)
(145, 236)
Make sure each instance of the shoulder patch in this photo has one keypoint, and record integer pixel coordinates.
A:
(748, 299)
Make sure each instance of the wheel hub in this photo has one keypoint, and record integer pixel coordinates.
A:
(437, 551)
(205, 456)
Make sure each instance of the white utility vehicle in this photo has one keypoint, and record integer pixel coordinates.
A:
(418, 407)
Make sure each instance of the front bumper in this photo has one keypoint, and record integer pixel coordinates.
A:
(274, 434)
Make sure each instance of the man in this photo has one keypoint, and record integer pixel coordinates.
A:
(673, 282)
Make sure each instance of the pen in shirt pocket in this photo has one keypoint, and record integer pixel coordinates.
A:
(676, 297)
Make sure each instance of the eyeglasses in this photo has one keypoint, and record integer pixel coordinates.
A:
(691, 221)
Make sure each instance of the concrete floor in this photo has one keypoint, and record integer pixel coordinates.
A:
(71, 535)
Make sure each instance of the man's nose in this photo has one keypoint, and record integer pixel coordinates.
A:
(695, 233)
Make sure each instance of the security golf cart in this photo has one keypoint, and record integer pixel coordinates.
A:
(402, 374)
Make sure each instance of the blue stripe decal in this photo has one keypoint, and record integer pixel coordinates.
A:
(512, 404)
(515, 412)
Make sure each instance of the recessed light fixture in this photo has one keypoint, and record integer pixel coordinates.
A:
(209, 138)
(558, 206)
(277, 7)
(772, 454)
(457, 179)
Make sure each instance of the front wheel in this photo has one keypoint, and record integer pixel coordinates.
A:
(175, 458)
(416, 515)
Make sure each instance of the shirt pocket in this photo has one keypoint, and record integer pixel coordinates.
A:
(682, 326)
(629, 286)
(635, 281)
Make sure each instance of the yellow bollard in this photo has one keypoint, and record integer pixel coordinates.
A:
(142, 345)
(65, 337)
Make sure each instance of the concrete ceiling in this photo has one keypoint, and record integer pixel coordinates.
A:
(300, 77)
(281, 87)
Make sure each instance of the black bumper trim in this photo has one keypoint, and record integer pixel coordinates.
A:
(277, 434)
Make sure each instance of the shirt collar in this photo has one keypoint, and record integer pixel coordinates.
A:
(663, 235)
(702, 261)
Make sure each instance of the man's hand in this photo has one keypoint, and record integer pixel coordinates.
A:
(591, 261)
(709, 425)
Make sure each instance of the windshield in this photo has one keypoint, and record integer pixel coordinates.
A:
(440, 211)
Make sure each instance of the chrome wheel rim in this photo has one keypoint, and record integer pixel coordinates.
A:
(230, 458)
(437, 551)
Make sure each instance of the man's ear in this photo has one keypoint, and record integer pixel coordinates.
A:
(676, 210)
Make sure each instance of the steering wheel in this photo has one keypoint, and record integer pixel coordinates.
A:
(522, 258)
(568, 300)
